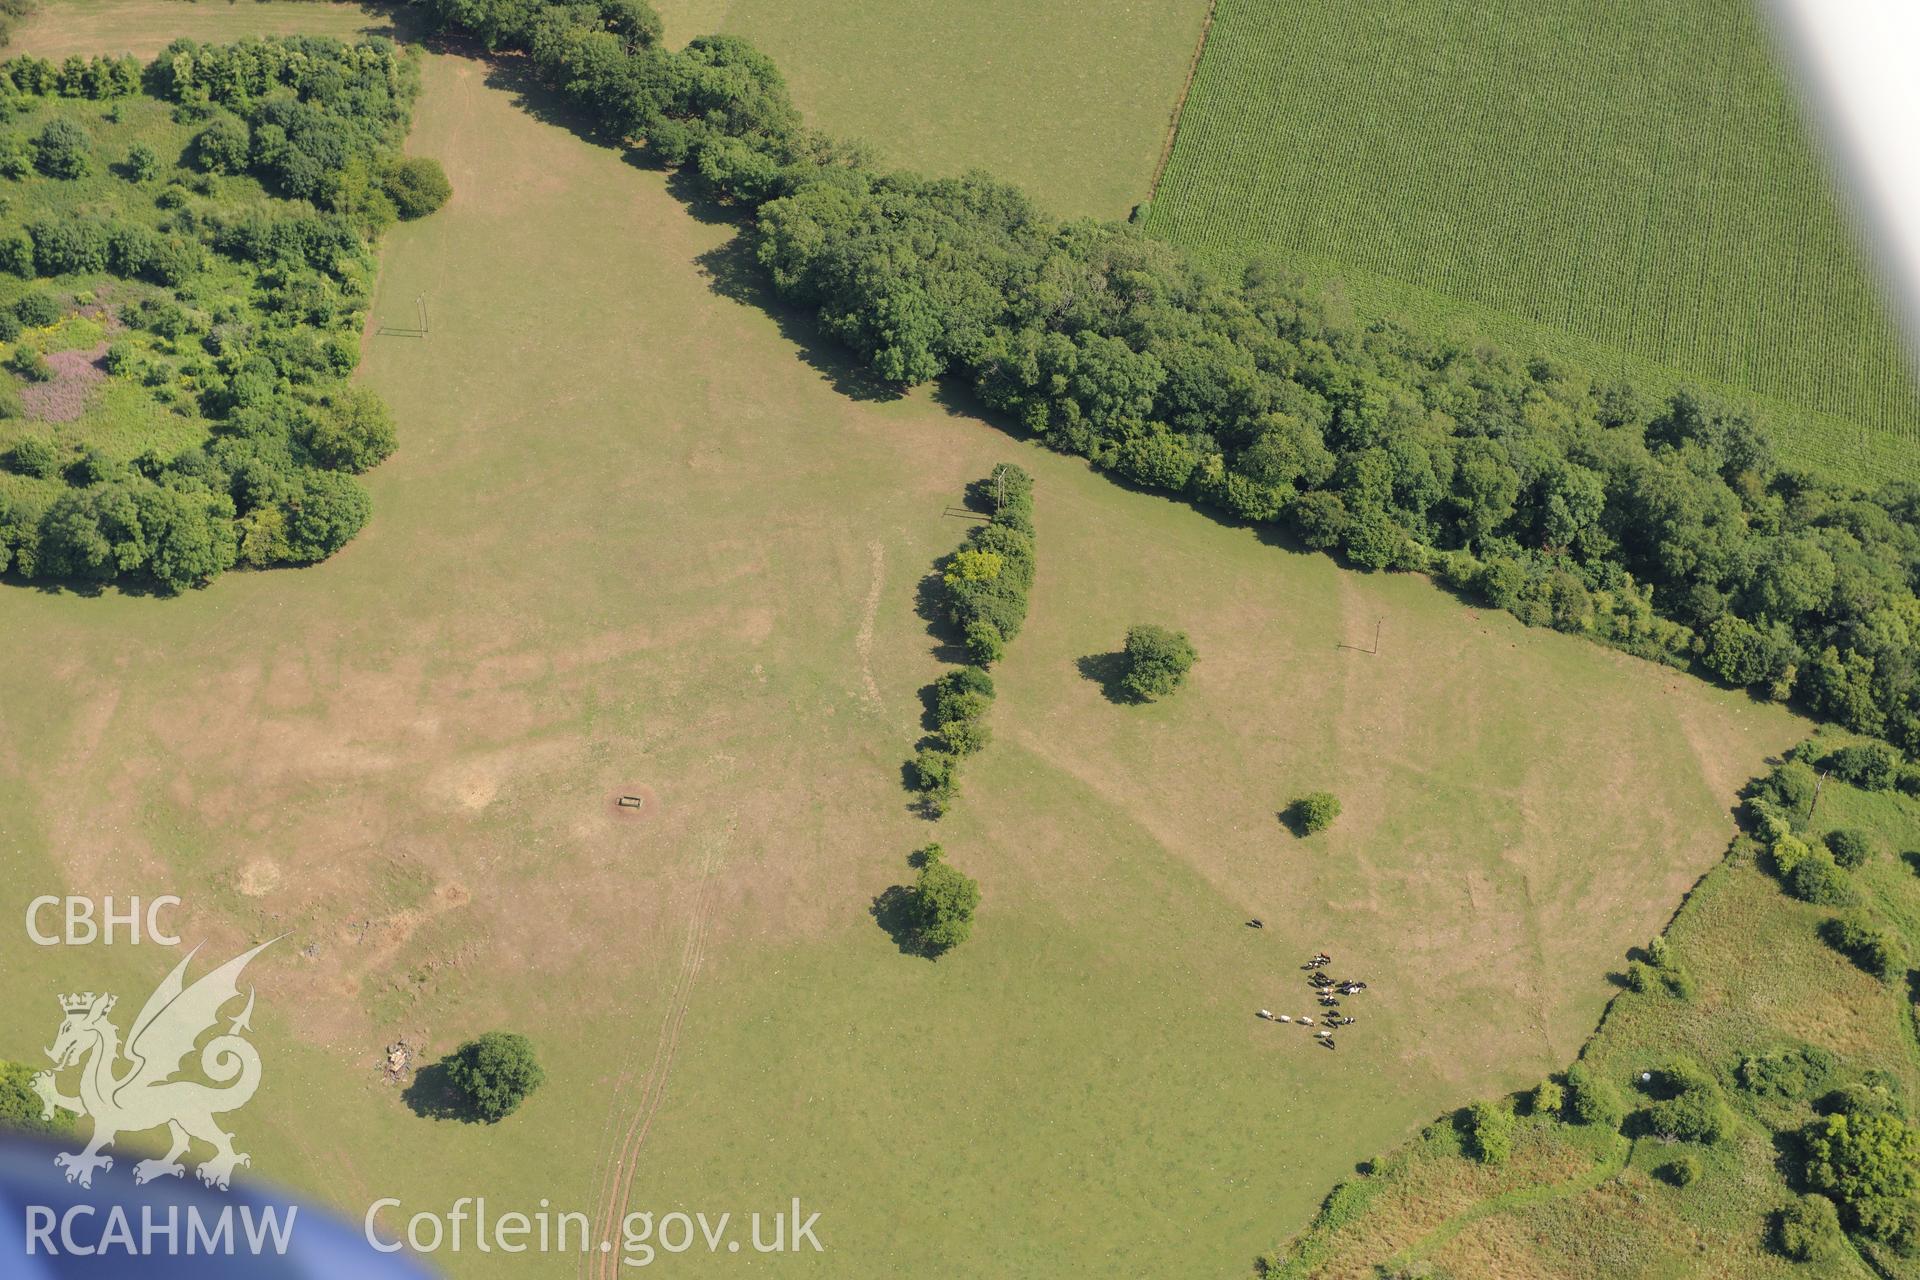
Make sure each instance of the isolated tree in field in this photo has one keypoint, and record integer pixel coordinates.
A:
(61, 150)
(1849, 846)
(1313, 812)
(1817, 878)
(16, 157)
(495, 1073)
(417, 185)
(944, 900)
(1692, 1109)
(1157, 661)
(1642, 977)
(30, 364)
(1680, 1171)
(1785, 1073)
(143, 162)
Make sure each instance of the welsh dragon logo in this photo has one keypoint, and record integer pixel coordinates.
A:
(144, 1095)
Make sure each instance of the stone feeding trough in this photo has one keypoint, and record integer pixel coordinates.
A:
(633, 802)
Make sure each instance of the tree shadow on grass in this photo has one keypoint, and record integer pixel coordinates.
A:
(732, 272)
(1107, 670)
(512, 73)
(1294, 819)
(930, 606)
(929, 719)
(433, 1096)
(919, 802)
(137, 586)
(684, 185)
(1790, 1158)
(893, 910)
(402, 23)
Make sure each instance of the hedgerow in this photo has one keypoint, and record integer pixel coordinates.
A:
(1669, 529)
(983, 589)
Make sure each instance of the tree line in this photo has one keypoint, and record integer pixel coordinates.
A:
(1669, 528)
(74, 77)
(983, 589)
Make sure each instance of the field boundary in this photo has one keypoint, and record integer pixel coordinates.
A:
(1534, 161)
(1180, 103)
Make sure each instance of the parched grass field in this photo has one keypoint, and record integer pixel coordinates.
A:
(1637, 178)
(637, 538)
(1576, 1201)
(1070, 101)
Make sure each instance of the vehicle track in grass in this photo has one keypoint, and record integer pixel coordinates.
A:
(618, 1163)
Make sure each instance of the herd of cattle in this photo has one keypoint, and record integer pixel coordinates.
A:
(1328, 991)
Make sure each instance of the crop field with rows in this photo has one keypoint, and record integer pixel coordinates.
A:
(1645, 184)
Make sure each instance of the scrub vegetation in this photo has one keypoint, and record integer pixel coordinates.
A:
(1758, 1115)
(188, 254)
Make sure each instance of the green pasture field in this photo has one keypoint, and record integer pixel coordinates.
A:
(1632, 183)
(1071, 101)
(638, 538)
(145, 27)
(1571, 1202)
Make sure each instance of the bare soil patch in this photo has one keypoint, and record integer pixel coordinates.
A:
(63, 398)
